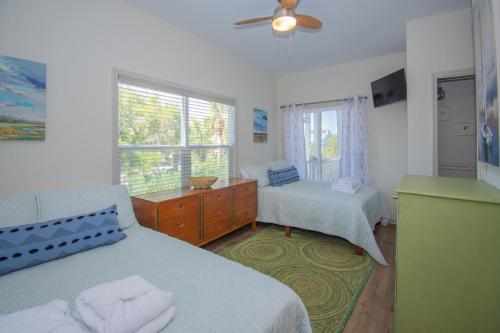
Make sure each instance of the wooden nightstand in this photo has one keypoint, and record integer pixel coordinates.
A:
(199, 216)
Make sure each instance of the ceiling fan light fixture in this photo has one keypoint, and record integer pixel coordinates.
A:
(284, 19)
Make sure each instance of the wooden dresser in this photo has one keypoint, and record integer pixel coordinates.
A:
(447, 256)
(199, 216)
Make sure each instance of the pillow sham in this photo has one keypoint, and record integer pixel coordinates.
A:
(18, 210)
(53, 204)
(279, 164)
(283, 176)
(258, 172)
(32, 244)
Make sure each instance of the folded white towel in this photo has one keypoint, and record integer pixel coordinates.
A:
(345, 189)
(123, 306)
(347, 183)
(159, 323)
(53, 317)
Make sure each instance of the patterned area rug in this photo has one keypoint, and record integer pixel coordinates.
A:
(322, 270)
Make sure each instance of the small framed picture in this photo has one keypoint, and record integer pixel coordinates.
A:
(466, 128)
(443, 114)
(259, 126)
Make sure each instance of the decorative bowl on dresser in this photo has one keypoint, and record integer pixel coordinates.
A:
(199, 216)
(202, 182)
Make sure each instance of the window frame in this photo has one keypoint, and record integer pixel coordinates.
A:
(317, 110)
(186, 93)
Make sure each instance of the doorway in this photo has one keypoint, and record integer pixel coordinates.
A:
(456, 127)
(322, 128)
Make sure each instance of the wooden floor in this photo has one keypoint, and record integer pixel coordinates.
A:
(374, 312)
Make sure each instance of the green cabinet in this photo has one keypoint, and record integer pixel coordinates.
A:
(447, 256)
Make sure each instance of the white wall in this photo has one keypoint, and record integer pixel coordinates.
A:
(387, 135)
(488, 172)
(80, 42)
(435, 45)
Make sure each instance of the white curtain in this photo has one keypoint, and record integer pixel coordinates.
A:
(353, 142)
(294, 144)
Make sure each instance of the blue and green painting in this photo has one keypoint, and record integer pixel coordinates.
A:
(259, 126)
(22, 99)
(486, 82)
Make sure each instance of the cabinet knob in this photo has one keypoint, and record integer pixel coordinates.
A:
(395, 196)
(219, 211)
(181, 224)
(181, 206)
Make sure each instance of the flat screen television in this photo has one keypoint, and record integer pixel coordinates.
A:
(389, 89)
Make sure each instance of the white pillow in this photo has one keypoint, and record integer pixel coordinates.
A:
(258, 172)
(61, 203)
(18, 210)
(244, 173)
(279, 164)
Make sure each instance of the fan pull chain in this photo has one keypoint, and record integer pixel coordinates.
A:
(290, 48)
(277, 45)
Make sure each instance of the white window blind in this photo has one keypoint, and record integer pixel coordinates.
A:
(167, 135)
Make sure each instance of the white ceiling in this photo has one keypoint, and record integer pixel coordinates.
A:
(352, 29)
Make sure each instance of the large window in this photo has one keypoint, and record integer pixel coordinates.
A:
(322, 133)
(167, 135)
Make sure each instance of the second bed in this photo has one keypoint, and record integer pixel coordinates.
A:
(311, 205)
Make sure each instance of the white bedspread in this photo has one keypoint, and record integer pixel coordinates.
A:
(311, 205)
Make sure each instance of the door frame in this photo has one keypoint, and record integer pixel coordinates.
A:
(435, 112)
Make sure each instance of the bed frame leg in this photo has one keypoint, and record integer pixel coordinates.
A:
(358, 250)
(254, 226)
(288, 231)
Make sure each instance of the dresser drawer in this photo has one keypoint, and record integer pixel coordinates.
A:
(246, 190)
(189, 205)
(218, 205)
(216, 227)
(184, 227)
(246, 216)
(246, 201)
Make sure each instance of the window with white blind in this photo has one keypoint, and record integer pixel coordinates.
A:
(167, 135)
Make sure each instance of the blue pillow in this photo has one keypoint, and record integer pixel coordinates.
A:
(32, 244)
(283, 176)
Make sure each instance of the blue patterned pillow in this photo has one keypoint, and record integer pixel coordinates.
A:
(32, 244)
(283, 176)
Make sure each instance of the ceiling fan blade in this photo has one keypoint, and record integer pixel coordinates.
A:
(307, 21)
(254, 20)
(289, 4)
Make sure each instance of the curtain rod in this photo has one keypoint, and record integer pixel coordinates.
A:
(331, 101)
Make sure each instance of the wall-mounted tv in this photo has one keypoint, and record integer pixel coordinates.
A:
(389, 89)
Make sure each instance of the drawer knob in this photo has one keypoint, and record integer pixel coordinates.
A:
(181, 206)
(219, 196)
(181, 224)
(219, 211)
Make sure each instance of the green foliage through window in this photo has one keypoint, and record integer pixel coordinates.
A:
(164, 138)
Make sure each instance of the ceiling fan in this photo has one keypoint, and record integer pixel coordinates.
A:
(285, 18)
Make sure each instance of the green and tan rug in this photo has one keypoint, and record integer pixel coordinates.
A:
(322, 270)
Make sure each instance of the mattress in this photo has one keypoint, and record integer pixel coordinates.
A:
(313, 206)
(212, 294)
